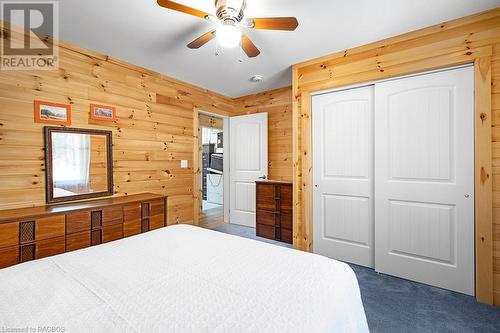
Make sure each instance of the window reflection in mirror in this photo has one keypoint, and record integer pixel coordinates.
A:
(79, 163)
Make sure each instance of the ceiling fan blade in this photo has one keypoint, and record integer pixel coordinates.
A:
(274, 23)
(202, 40)
(249, 47)
(184, 9)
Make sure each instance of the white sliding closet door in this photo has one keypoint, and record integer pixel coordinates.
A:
(343, 175)
(424, 181)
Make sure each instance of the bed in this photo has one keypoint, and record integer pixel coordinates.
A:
(183, 279)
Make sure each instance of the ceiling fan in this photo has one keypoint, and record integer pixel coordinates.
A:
(230, 15)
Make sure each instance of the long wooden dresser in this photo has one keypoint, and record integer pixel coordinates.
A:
(274, 210)
(32, 233)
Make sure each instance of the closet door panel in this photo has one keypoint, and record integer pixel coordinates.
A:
(424, 179)
(343, 175)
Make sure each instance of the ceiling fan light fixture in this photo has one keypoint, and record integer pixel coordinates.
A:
(230, 16)
(228, 36)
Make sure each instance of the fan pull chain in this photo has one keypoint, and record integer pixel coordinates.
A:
(217, 49)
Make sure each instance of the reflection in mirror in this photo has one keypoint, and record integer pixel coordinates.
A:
(78, 164)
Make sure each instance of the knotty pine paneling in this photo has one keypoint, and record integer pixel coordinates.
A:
(495, 105)
(475, 38)
(205, 120)
(278, 104)
(154, 130)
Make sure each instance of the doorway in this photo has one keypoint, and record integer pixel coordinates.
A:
(211, 165)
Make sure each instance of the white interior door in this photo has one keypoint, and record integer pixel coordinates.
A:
(424, 218)
(248, 163)
(343, 175)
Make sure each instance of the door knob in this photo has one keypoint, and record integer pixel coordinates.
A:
(263, 177)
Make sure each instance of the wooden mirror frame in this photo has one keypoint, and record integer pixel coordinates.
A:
(49, 183)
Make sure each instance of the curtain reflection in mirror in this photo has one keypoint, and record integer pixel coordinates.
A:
(71, 163)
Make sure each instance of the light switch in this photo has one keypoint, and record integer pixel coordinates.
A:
(184, 164)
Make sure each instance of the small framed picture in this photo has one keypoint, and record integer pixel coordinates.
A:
(52, 113)
(102, 112)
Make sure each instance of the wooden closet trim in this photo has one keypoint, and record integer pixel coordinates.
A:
(196, 167)
(459, 50)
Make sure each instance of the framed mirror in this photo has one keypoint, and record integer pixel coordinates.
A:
(79, 163)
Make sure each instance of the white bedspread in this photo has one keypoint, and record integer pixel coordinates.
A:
(183, 279)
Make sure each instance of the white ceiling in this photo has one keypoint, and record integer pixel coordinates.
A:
(144, 34)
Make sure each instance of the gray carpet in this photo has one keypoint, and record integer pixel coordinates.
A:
(398, 305)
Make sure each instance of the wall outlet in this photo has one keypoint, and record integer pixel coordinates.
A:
(184, 164)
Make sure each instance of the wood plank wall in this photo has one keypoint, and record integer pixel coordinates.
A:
(495, 105)
(154, 130)
(278, 104)
(206, 120)
(98, 164)
(474, 39)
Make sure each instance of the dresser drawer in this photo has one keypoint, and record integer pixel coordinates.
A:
(286, 236)
(132, 212)
(266, 231)
(157, 207)
(9, 256)
(112, 232)
(286, 199)
(112, 215)
(131, 228)
(50, 227)
(156, 222)
(132, 219)
(157, 219)
(9, 234)
(267, 218)
(266, 191)
(50, 247)
(267, 204)
(78, 241)
(286, 221)
(77, 222)
(279, 234)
